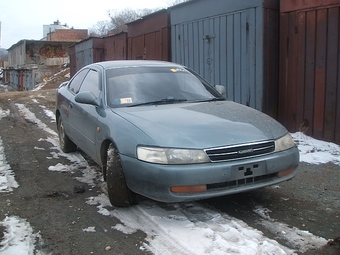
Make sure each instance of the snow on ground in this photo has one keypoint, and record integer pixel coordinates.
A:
(188, 228)
(46, 81)
(7, 180)
(48, 113)
(4, 87)
(19, 237)
(314, 151)
(300, 239)
(182, 228)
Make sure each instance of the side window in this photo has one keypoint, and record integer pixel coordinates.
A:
(77, 80)
(91, 83)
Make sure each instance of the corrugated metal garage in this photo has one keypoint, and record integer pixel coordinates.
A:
(115, 47)
(20, 79)
(309, 88)
(149, 37)
(73, 59)
(89, 51)
(231, 42)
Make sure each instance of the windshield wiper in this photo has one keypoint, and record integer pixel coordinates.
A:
(167, 100)
(211, 99)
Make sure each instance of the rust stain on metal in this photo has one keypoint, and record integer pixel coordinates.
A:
(309, 87)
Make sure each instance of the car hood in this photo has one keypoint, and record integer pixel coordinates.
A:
(202, 125)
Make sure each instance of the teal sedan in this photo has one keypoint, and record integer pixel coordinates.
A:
(159, 130)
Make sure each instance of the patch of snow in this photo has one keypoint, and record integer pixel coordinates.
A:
(60, 168)
(124, 229)
(299, 239)
(101, 201)
(49, 113)
(5, 87)
(187, 228)
(7, 180)
(315, 151)
(4, 113)
(73, 157)
(37, 148)
(19, 237)
(89, 176)
(90, 229)
(45, 81)
(31, 116)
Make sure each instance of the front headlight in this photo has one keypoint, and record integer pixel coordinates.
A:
(284, 143)
(171, 156)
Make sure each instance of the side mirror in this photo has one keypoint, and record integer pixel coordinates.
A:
(221, 89)
(86, 97)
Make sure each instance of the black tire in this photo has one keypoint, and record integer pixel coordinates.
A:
(119, 193)
(66, 145)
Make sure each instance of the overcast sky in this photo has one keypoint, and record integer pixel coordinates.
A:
(22, 19)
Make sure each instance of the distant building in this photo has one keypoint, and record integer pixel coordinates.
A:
(58, 32)
(47, 29)
(70, 35)
(30, 53)
(31, 61)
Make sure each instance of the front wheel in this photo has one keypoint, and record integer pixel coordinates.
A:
(119, 193)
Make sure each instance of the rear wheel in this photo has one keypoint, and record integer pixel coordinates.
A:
(66, 145)
(119, 193)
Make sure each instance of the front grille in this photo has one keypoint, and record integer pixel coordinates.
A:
(240, 151)
(241, 182)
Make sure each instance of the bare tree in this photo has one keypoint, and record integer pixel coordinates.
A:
(119, 19)
(101, 28)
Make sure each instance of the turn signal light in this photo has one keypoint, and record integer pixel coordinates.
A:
(286, 172)
(189, 189)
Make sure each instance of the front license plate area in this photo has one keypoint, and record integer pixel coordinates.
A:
(248, 170)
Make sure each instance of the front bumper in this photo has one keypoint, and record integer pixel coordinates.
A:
(222, 178)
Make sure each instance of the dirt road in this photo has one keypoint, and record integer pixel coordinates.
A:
(58, 203)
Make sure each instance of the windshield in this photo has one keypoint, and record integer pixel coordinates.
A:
(142, 85)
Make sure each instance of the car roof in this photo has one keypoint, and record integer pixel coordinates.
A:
(133, 63)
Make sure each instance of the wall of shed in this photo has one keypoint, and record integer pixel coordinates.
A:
(233, 43)
(96, 49)
(21, 79)
(27, 53)
(149, 38)
(115, 47)
(309, 88)
(17, 55)
(88, 52)
(294, 5)
(73, 60)
(31, 61)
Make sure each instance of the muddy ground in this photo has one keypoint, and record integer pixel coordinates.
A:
(54, 202)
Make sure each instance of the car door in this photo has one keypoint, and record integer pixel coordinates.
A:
(67, 103)
(83, 118)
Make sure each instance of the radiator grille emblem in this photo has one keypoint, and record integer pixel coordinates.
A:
(245, 151)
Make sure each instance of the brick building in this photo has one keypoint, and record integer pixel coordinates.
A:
(67, 35)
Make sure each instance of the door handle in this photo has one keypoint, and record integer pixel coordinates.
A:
(71, 105)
